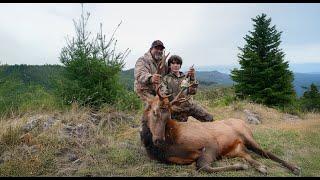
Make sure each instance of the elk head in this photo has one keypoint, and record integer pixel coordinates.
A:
(158, 114)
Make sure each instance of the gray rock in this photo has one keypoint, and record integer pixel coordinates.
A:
(68, 130)
(252, 118)
(72, 156)
(95, 119)
(50, 121)
(290, 117)
(31, 124)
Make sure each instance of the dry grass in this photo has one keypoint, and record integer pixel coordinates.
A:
(107, 143)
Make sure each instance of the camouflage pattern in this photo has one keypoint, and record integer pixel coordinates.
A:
(171, 85)
(145, 67)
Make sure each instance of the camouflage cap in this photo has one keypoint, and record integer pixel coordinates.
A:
(157, 43)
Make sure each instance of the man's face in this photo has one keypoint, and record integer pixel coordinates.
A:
(157, 52)
(175, 67)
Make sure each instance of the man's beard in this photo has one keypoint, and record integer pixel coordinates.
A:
(158, 56)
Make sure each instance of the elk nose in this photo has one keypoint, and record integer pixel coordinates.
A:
(158, 142)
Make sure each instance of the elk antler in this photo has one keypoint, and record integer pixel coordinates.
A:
(178, 99)
(161, 95)
(160, 67)
(162, 63)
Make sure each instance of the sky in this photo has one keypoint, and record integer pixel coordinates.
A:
(202, 34)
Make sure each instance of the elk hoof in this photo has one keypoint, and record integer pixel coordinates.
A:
(263, 170)
(244, 166)
(297, 171)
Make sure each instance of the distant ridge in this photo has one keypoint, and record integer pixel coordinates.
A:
(310, 68)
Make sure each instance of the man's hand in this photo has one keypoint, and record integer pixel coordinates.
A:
(155, 79)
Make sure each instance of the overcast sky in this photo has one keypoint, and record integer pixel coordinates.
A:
(202, 34)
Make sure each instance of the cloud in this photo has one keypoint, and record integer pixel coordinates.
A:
(203, 34)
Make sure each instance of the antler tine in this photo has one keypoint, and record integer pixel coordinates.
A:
(181, 100)
(159, 93)
(161, 64)
(177, 97)
(184, 99)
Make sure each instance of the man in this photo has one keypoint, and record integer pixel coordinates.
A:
(145, 71)
(171, 84)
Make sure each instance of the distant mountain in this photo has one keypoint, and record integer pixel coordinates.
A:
(214, 77)
(305, 80)
(217, 78)
(309, 68)
(219, 68)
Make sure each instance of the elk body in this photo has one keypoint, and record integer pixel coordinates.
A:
(172, 142)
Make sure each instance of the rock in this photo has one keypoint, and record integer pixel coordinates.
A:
(252, 118)
(31, 124)
(81, 130)
(61, 151)
(95, 119)
(290, 117)
(68, 130)
(50, 121)
(72, 156)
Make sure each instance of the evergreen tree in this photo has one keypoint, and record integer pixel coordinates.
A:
(92, 67)
(264, 76)
(311, 99)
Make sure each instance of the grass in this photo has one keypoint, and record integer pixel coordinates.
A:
(110, 145)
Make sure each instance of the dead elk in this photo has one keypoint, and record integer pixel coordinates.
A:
(172, 142)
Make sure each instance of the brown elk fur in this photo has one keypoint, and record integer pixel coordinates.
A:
(200, 142)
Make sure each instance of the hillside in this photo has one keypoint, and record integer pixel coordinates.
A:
(45, 74)
(78, 142)
(215, 78)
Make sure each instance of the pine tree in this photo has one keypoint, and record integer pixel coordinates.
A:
(311, 99)
(264, 76)
(92, 67)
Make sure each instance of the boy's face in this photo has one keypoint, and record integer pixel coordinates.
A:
(175, 67)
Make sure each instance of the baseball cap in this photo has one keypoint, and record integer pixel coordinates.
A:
(157, 43)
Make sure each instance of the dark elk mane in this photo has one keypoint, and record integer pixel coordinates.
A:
(153, 151)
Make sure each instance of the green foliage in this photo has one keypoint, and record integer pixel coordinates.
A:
(216, 96)
(19, 95)
(128, 101)
(310, 101)
(92, 68)
(264, 77)
(127, 79)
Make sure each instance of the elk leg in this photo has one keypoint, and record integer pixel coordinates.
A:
(257, 165)
(207, 157)
(252, 145)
